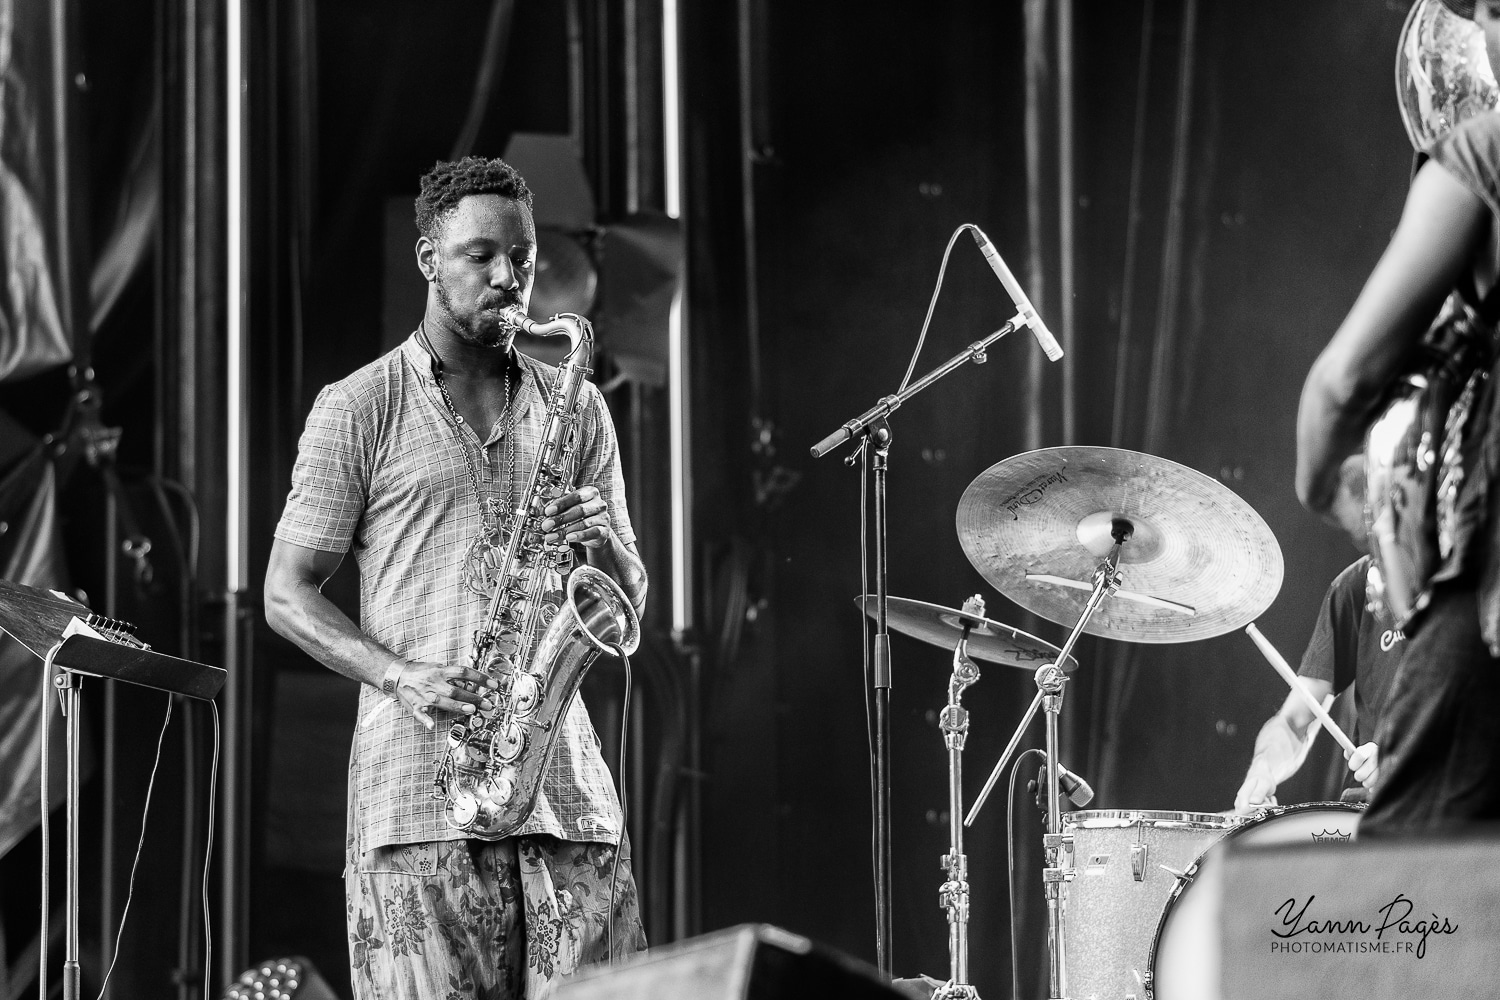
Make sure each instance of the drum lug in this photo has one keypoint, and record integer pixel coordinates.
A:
(1138, 855)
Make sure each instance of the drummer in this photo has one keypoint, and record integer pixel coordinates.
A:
(1348, 645)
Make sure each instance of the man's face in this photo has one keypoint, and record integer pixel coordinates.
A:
(482, 259)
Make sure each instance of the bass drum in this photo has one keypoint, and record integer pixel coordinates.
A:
(1185, 952)
(1122, 865)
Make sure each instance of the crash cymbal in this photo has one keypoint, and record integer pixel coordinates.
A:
(1199, 562)
(988, 640)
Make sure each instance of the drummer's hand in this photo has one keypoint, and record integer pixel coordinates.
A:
(427, 687)
(1365, 763)
(1257, 792)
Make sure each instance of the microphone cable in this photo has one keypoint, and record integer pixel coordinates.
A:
(869, 682)
(932, 304)
(208, 852)
(139, 847)
(614, 875)
(46, 832)
(1010, 866)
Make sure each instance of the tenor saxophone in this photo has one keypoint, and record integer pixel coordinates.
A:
(536, 641)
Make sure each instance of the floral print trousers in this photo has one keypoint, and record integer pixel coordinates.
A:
(481, 920)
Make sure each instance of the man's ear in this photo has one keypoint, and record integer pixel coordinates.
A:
(426, 254)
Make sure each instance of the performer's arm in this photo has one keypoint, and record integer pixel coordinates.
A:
(1441, 229)
(297, 610)
(1280, 747)
(581, 518)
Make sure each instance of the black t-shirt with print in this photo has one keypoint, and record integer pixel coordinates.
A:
(1349, 645)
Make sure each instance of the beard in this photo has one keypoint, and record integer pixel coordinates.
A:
(473, 327)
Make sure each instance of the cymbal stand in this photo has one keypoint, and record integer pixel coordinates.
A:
(954, 894)
(1050, 682)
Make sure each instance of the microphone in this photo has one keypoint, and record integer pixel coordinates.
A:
(1028, 312)
(1078, 791)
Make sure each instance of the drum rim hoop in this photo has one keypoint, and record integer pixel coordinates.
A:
(1104, 819)
(1246, 822)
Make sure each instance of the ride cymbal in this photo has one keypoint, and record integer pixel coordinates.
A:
(988, 640)
(1199, 562)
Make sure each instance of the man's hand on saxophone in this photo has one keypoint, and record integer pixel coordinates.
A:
(581, 518)
(424, 687)
(578, 518)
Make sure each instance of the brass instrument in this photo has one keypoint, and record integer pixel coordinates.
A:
(536, 641)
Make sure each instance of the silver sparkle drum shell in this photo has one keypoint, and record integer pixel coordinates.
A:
(1120, 861)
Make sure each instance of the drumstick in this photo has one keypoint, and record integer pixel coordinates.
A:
(1282, 668)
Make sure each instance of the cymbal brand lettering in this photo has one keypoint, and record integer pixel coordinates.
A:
(1030, 493)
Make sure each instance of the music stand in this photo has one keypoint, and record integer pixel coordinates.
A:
(78, 643)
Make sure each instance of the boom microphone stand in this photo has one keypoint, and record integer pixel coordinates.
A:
(873, 428)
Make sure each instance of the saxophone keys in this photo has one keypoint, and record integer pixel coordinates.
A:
(525, 694)
(497, 789)
(509, 742)
(463, 808)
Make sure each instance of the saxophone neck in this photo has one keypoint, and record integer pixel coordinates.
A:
(579, 331)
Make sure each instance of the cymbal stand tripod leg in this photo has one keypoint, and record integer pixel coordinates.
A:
(1050, 682)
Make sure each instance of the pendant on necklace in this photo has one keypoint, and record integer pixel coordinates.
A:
(482, 562)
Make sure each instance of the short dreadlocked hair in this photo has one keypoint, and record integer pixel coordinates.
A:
(447, 183)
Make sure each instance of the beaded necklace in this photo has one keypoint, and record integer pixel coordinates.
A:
(482, 560)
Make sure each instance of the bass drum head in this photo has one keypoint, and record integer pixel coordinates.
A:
(1185, 954)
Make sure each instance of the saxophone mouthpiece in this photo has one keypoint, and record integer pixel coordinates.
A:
(515, 316)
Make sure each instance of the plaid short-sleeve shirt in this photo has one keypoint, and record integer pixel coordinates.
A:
(380, 470)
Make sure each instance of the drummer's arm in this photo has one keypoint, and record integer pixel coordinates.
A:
(1441, 229)
(1280, 746)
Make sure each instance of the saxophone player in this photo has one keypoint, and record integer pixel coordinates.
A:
(413, 462)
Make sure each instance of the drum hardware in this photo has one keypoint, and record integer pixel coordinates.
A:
(1050, 683)
(1036, 525)
(1124, 595)
(987, 640)
(873, 427)
(1138, 853)
(971, 636)
(954, 893)
(1201, 563)
(1113, 901)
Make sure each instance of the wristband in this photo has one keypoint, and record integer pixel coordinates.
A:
(392, 677)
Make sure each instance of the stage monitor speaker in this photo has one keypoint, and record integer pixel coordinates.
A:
(749, 962)
(291, 978)
(1373, 920)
